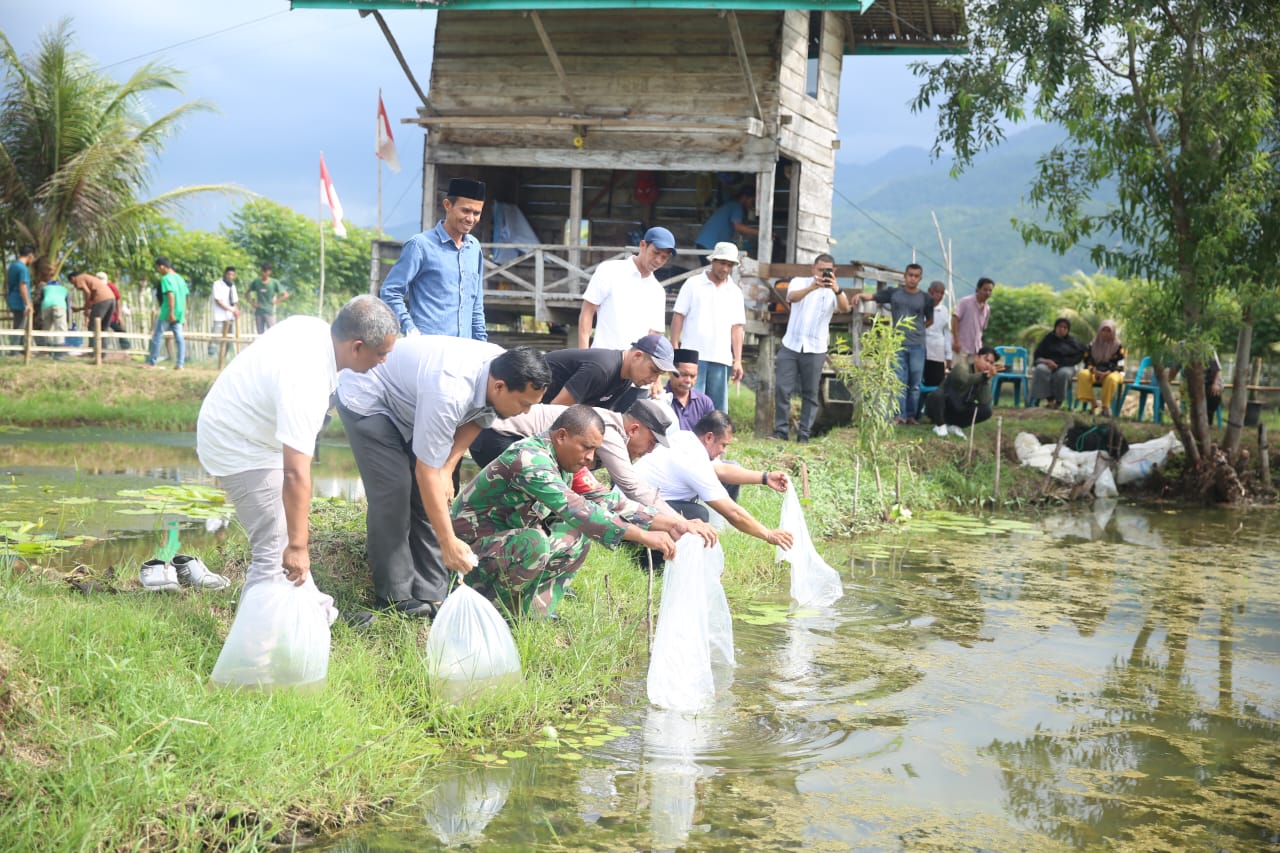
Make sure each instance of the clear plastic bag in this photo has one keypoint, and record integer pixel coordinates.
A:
(719, 620)
(680, 676)
(280, 638)
(470, 648)
(813, 582)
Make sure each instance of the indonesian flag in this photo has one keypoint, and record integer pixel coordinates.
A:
(385, 147)
(329, 196)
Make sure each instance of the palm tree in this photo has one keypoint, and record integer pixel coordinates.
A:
(76, 147)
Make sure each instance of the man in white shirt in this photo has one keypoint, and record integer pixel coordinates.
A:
(258, 425)
(409, 421)
(684, 473)
(709, 317)
(937, 339)
(224, 311)
(624, 298)
(813, 299)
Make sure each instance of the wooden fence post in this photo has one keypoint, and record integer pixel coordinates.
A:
(27, 328)
(97, 341)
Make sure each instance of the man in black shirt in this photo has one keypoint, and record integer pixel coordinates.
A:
(607, 378)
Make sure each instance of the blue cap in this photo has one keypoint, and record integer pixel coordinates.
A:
(660, 237)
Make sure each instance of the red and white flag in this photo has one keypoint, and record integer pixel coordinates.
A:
(329, 196)
(385, 146)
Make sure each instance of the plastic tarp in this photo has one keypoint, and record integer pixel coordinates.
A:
(695, 629)
(813, 582)
(470, 647)
(280, 638)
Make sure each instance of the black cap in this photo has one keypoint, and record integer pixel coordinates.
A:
(466, 188)
(686, 356)
(653, 415)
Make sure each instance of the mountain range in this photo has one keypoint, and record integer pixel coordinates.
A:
(881, 212)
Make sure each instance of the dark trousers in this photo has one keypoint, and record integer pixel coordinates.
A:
(950, 410)
(791, 369)
(404, 554)
(934, 372)
(490, 444)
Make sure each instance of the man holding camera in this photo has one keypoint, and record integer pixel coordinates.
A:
(813, 301)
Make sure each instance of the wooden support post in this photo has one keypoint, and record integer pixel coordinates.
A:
(575, 222)
(765, 355)
(764, 216)
(27, 328)
(97, 341)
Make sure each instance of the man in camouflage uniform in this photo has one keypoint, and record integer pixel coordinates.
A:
(528, 528)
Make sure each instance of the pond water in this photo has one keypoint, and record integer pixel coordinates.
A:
(1105, 679)
(121, 491)
(1102, 680)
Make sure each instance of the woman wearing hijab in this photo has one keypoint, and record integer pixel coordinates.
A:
(1103, 365)
(1056, 358)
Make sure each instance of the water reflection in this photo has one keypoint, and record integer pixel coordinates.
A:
(460, 806)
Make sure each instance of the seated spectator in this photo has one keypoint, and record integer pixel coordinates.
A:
(1103, 366)
(531, 531)
(964, 398)
(1056, 359)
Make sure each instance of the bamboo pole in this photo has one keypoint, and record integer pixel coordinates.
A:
(973, 421)
(804, 481)
(97, 341)
(857, 483)
(1264, 456)
(995, 492)
(28, 327)
(1053, 463)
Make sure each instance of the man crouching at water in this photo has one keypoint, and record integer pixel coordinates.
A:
(530, 531)
(258, 425)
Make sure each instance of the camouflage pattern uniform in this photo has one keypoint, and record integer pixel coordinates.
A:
(531, 531)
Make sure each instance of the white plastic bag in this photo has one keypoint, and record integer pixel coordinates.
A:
(680, 676)
(1105, 485)
(813, 582)
(280, 638)
(719, 620)
(470, 648)
(1143, 458)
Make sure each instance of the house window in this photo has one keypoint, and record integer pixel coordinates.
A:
(814, 65)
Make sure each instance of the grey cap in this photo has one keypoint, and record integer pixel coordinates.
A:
(653, 415)
(660, 349)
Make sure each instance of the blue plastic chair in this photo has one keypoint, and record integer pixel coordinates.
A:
(1015, 359)
(1149, 388)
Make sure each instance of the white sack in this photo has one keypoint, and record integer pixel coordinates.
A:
(1072, 466)
(280, 638)
(813, 582)
(1142, 459)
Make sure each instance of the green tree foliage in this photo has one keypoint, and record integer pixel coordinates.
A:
(1016, 312)
(872, 379)
(271, 233)
(1177, 104)
(76, 147)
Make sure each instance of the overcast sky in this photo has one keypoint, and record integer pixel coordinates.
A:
(288, 84)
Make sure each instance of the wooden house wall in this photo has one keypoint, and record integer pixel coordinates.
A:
(809, 137)
(634, 63)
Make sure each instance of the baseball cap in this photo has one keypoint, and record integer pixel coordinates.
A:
(102, 276)
(659, 348)
(660, 237)
(653, 415)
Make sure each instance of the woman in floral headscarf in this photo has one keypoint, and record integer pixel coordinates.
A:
(1103, 365)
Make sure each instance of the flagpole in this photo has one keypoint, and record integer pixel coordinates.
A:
(378, 161)
(320, 219)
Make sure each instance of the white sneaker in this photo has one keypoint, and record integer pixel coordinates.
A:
(192, 571)
(955, 430)
(158, 576)
(940, 431)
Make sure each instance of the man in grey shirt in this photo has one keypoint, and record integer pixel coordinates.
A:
(409, 421)
(908, 301)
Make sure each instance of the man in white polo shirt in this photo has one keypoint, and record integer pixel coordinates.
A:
(684, 474)
(258, 425)
(624, 298)
(709, 317)
(813, 299)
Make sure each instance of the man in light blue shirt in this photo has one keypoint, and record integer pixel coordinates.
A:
(728, 224)
(436, 288)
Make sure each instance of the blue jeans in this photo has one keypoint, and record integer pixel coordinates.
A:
(713, 380)
(157, 340)
(910, 369)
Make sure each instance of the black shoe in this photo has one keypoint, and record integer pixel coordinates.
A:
(359, 619)
(415, 608)
(804, 439)
(778, 437)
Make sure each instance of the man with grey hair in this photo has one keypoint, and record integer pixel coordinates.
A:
(258, 425)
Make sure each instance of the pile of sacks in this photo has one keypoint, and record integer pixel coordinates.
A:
(1075, 467)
